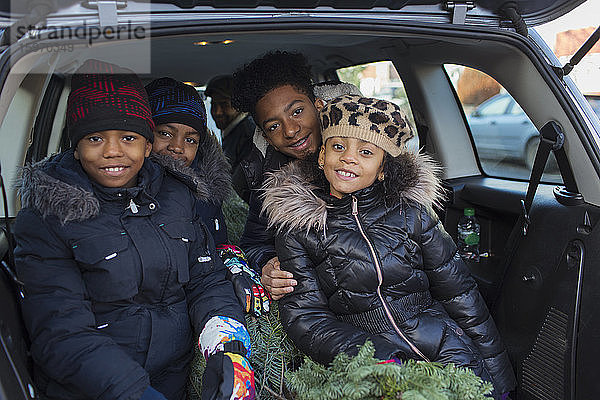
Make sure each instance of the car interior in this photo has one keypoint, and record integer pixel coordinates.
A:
(540, 300)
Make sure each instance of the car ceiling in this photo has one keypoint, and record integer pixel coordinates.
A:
(324, 52)
(178, 57)
(527, 8)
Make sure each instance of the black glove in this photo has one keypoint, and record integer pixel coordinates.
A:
(246, 283)
(228, 375)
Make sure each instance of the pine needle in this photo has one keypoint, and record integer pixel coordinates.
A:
(362, 377)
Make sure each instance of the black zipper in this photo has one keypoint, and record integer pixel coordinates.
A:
(380, 282)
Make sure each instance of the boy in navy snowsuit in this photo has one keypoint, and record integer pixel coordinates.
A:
(183, 142)
(119, 272)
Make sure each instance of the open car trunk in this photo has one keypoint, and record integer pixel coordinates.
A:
(543, 303)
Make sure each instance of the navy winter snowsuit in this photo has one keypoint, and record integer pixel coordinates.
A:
(116, 281)
(209, 177)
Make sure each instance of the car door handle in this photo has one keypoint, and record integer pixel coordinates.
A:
(492, 122)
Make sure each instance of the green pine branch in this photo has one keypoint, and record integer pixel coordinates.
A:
(280, 373)
(273, 354)
(362, 377)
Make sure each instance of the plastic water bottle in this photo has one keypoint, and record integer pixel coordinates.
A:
(468, 236)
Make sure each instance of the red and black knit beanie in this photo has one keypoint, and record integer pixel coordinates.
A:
(105, 97)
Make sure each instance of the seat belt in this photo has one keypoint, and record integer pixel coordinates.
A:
(551, 139)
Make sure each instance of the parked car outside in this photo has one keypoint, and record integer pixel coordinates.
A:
(501, 130)
(544, 301)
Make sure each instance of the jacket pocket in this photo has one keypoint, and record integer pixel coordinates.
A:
(109, 270)
(203, 256)
(129, 329)
(181, 236)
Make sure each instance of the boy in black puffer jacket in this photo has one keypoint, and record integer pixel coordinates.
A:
(371, 259)
(118, 270)
(277, 90)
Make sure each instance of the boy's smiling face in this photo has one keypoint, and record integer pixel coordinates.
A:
(290, 121)
(113, 158)
(350, 164)
(176, 140)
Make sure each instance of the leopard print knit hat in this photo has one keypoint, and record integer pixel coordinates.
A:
(376, 121)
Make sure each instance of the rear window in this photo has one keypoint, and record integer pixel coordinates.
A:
(505, 139)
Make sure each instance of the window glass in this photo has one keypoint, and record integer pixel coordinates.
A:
(210, 122)
(381, 80)
(505, 138)
(595, 103)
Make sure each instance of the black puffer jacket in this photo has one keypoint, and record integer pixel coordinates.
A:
(371, 258)
(257, 241)
(114, 288)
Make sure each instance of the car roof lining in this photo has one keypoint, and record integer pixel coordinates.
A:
(344, 48)
(331, 49)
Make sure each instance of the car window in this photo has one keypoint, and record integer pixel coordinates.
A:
(382, 81)
(595, 103)
(505, 138)
(210, 122)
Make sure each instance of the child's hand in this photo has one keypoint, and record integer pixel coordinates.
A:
(277, 282)
(395, 360)
(228, 376)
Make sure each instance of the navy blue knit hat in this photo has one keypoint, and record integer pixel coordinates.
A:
(174, 101)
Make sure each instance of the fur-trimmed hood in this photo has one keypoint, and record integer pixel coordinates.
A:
(291, 202)
(208, 176)
(59, 186)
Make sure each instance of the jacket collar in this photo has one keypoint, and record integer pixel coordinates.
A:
(367, 198)
(59, 186)
(208, 176)
(233, 124)
(291, 202)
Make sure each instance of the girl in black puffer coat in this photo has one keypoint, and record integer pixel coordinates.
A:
(372, 260)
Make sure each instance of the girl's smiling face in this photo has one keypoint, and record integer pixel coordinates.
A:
(350, 164)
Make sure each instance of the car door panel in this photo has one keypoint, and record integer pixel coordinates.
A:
(546, 306)
(15, 379)
(486, 133)
(588, 329)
